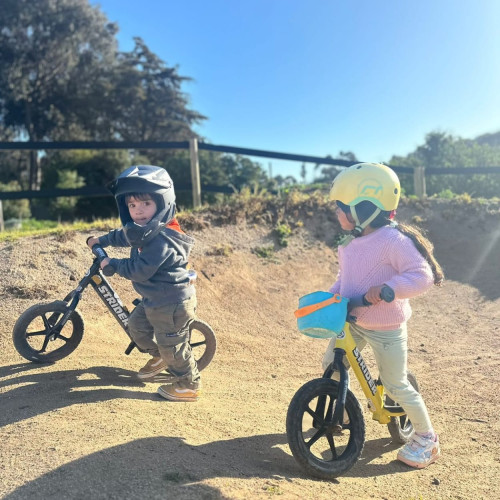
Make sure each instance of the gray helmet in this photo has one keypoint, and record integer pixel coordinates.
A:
(144, 179)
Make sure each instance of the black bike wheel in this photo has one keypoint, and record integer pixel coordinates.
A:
(319, 449)
(32, 332)
(203, 343)
(401, 428)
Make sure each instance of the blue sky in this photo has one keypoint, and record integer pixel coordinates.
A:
(319, 76)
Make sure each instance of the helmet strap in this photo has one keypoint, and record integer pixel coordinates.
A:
(359, 227)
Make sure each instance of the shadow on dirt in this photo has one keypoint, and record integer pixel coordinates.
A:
(374, 449)
(55, 390)
(148, 467)
(151, 467)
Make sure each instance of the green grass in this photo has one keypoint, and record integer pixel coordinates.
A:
(266, 252)
(33, 227)
(283, 231)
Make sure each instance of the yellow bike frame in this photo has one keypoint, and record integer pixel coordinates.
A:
(373, 391)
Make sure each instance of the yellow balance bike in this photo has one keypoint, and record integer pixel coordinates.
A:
(325, 425)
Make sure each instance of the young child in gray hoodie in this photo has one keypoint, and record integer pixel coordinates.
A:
(157, 267)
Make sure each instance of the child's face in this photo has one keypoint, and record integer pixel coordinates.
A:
(141, 211)
(346, 221)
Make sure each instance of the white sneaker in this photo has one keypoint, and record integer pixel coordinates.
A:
(420, 451)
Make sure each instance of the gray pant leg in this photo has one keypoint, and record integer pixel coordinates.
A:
(171, 330)
(329, 353)
(142, 331)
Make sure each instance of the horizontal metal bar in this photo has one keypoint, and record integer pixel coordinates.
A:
(93, 191)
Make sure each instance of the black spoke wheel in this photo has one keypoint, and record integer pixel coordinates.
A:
(203, 343)
(321, 449)
(401, 428)
(38, 338)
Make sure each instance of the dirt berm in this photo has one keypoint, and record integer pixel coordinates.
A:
(87, 428)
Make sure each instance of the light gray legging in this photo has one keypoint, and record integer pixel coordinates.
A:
(169, 327)
(390, 348)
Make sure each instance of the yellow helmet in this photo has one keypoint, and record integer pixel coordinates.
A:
(367, 182)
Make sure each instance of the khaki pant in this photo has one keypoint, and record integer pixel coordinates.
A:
(164, 331)
(390, 348)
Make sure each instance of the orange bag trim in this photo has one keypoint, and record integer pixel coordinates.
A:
(304, 311)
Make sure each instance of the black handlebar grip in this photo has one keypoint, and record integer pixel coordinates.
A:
(101, 254)
(386, 294)
(108, 270)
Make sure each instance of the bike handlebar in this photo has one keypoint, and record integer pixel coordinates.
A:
(386, 294)
(101, 254)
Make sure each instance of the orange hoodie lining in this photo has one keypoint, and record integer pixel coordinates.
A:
(173, 224)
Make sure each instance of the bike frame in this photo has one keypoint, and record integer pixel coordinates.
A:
(372, 389)
(96, 279)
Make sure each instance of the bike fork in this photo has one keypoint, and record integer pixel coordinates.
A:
(337, 417)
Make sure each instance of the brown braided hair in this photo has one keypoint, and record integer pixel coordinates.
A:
(422, 244)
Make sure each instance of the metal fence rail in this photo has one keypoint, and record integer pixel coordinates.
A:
(193, 146)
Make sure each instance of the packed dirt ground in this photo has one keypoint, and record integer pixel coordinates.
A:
(86, 427)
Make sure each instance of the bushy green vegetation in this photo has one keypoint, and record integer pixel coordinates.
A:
(284, 214)
(283, 231)
(265, 252)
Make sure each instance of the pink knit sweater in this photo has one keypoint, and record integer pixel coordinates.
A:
(385, 256)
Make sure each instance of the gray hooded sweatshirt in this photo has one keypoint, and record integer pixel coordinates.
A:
(158, 269)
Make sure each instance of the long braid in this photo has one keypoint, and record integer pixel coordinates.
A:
(425, 247)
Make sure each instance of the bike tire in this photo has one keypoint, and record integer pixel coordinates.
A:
(329, 459)
(203, 348)
(46, 315)
(401, 428)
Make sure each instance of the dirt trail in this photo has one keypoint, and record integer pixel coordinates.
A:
(85, 427)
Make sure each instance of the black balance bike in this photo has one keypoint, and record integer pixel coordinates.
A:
(48, 332)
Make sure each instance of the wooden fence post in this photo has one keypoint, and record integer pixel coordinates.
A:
(419, 182)
(195, 172)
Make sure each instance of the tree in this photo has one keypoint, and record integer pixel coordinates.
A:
(284, 182)
(48, 47)
(329, 172)
(14, 209)
(62, 78)
(13, 164)
(150, 92)
(215, 169)
(442, 150)
(143, 102)
(73, 169)
(303, 173)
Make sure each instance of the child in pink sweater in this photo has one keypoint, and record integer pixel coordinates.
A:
(378, 252)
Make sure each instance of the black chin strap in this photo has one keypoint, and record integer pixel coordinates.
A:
(359, 227)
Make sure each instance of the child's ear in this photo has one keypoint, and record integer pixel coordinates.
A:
(350, 218)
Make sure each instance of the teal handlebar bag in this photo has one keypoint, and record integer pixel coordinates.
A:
(321, 315)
